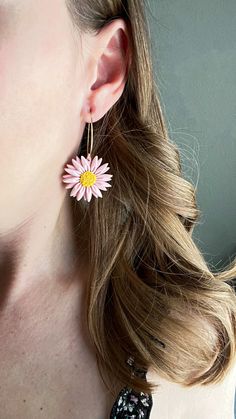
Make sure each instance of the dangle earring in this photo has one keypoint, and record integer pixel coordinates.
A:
(86, 176)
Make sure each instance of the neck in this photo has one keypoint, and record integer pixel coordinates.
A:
(39, 254)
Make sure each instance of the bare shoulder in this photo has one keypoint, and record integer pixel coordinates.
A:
(214, 401)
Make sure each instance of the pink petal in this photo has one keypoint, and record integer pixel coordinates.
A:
(71, 185)
(85, 163)
(102, 187)
(75, 189)
(71, 180)
(78, 160)
(97, 191)
(102, 169)
(88, 194)
(101, 184)
(78, 166)
(99, 161)
(72, 172)
(94, 192)
(81, 193)
(104, 177)
(95, 163)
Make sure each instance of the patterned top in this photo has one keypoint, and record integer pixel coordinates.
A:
(130, 404)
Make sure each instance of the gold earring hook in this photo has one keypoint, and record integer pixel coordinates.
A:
(90, 139)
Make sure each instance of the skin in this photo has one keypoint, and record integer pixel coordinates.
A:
(50, 78)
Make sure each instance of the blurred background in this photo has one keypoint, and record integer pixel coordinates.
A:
(194, 52)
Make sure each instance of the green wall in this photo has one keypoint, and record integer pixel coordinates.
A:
(194, 51)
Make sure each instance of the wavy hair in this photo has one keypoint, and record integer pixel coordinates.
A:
(150, 293)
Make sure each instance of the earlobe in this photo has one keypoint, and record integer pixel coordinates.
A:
(110, 68)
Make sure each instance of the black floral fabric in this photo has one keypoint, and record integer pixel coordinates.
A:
(130, 404)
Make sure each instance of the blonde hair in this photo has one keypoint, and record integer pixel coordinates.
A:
(150, 292)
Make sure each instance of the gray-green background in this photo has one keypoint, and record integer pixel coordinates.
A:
(194, 52)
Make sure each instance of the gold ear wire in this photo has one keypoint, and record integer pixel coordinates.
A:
(90, 139)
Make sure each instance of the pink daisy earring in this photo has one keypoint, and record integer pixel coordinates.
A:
(86, 176)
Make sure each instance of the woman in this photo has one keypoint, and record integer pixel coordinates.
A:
(108, 308)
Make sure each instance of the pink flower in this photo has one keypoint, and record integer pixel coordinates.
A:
(86, 177)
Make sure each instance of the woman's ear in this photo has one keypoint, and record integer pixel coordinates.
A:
(107, 67)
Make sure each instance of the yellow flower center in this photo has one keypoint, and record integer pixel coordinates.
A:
(88, 178)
